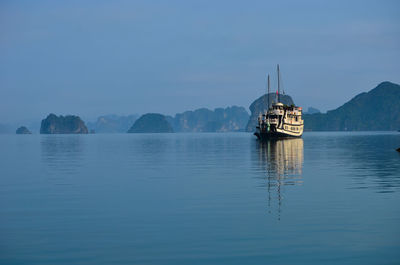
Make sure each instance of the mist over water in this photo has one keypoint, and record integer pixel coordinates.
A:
(328, 198)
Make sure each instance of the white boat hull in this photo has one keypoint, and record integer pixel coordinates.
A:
(288, 131)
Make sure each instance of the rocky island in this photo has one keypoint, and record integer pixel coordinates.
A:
(23, 130)
(228, 119)
(259, 105)
(376, 110)
(69, 124)
(112, 123)
(151, 123)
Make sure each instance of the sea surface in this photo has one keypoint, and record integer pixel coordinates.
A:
(223, 198)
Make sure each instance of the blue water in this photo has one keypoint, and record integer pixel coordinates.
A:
(329, 198)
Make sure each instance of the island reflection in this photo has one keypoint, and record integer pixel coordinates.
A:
(281, 162)
(63, 154)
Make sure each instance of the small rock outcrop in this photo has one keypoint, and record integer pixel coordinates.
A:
(69, 124)
(23, 130)
(151, 123)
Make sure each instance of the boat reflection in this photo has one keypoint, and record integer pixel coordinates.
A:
(282, 162)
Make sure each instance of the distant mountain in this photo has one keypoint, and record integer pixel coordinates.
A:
(69, 124)
(260, 105)
(112, 123)
(204, 120)
(151, 123)
(23, 130)
(379, 109)
(312, 110)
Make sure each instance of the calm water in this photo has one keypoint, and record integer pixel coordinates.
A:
(329, 198)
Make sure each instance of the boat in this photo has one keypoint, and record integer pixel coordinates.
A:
(279, 120)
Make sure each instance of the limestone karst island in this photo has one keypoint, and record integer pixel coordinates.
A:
(375, 110)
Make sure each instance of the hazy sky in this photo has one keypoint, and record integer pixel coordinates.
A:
(97, 57)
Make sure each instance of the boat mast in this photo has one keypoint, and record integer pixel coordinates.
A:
(279, 84)
(268, 93)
